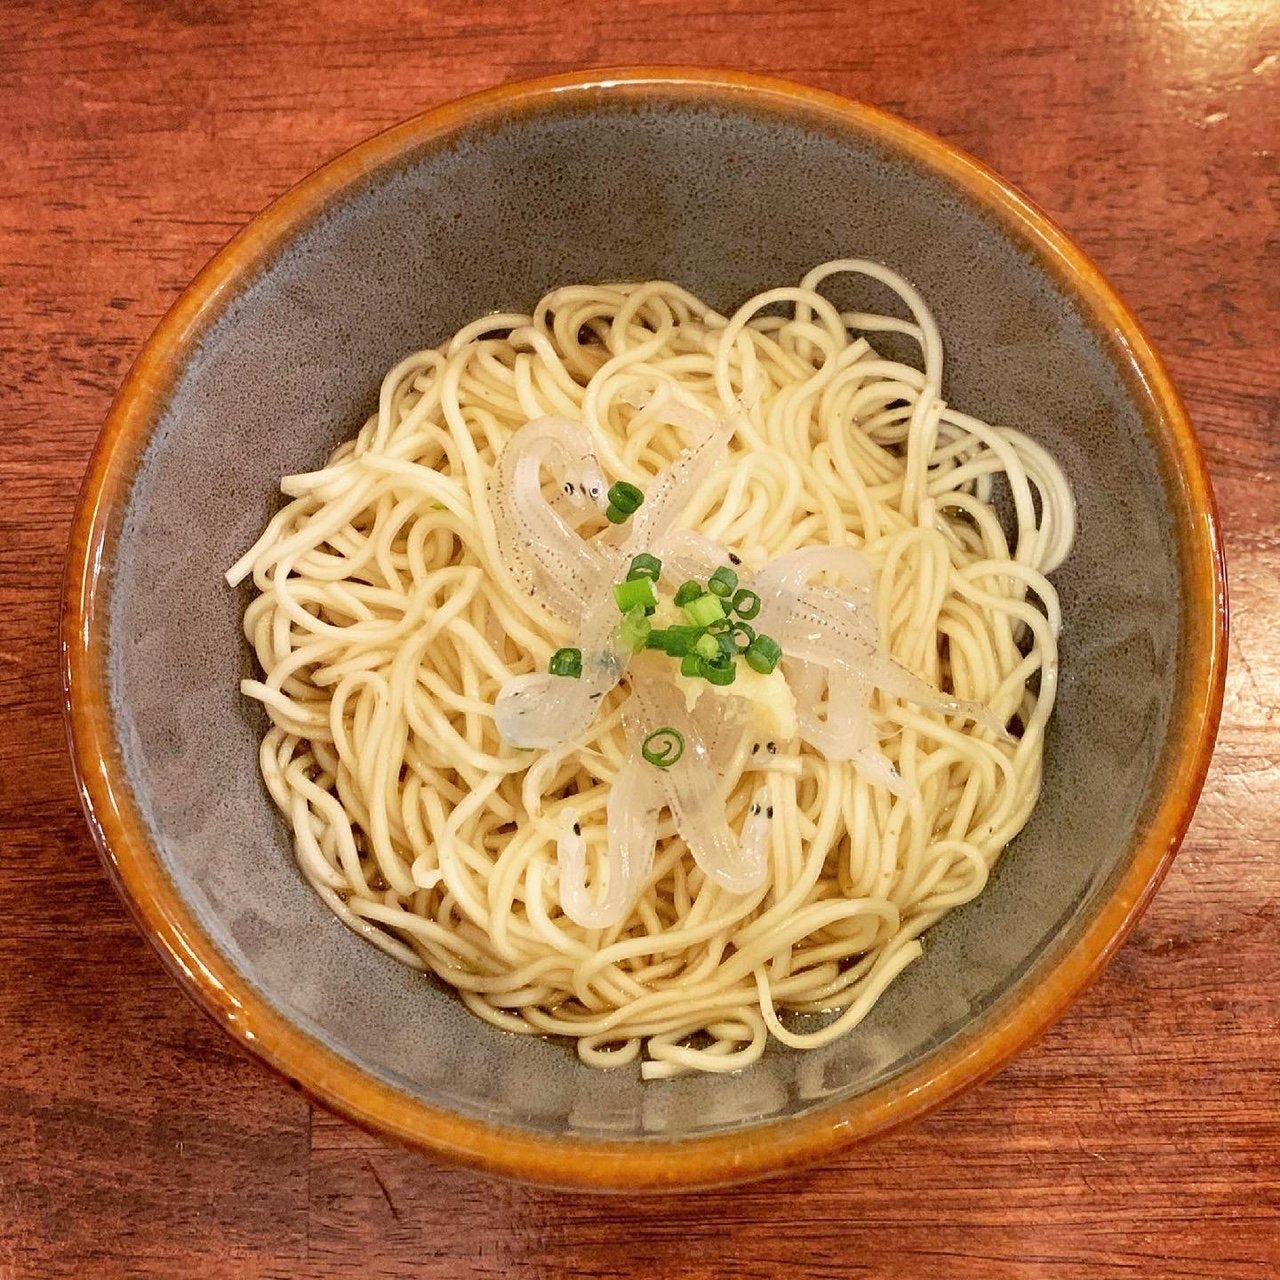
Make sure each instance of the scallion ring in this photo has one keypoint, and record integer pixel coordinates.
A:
(566, 662)
(663, 747)
(625, 497)
(645, 566)
(723, 583)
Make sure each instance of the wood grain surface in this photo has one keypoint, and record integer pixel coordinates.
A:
(1140, 1138)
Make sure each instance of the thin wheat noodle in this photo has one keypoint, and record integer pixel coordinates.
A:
(385, 622)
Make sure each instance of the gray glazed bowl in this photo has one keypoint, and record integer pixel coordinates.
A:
(727, 183)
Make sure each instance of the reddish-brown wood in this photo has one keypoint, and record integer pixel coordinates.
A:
(1142, 1137)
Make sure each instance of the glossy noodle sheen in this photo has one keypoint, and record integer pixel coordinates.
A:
(392, 608)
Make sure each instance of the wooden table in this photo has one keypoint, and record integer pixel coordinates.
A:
(1141, 1138)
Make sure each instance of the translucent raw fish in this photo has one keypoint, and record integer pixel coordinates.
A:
(846, 730)
(835, 631)
(536, 539)
(792, 572)
(544, 710)
(670, 490)
(635, 800)
(691, 787)
(724, 721)
(687, 555)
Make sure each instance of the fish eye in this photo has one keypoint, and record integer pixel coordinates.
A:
(568, 486)
(768, 813)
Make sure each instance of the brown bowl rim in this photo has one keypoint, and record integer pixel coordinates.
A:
(121, 834)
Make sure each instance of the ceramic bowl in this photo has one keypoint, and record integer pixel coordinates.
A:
(728, 183)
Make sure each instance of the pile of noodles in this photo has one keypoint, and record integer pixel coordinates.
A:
(385, 624)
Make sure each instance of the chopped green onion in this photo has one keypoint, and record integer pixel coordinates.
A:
(746, 604)
(690, 665)
(615, 515)
(704, 610)
(663, 747)
(687, 592)
(633, 592)
(676, 641)
(645, 566)
(743, 635)
(763, 654)
(719, 672)
(683, 639)
(626, 497)
(707, 646)
(634, 629)
(722, 583)
(566, 662)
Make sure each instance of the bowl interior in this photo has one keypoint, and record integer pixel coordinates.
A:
(726, 198)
